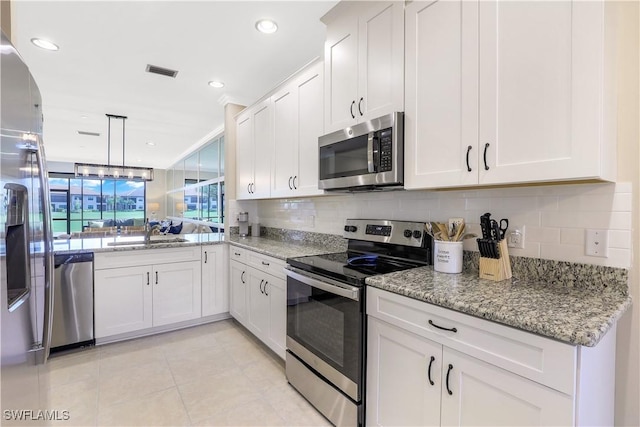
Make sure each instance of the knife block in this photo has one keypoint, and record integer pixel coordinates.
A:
(497, 269)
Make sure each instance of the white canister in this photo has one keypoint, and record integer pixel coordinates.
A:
(447, 257)
(255, 229)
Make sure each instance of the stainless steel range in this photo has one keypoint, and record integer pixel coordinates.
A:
(326, 316)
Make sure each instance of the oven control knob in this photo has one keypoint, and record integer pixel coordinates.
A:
(417, 234)
(407, 233)
(350, 228)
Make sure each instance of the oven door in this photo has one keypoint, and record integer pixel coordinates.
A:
(325, 328)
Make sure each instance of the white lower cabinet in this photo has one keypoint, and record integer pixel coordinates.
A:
(123, 300)
(258, 296)
(131, 293)
(478, 393)
(215, 288)
(429, 366)
(238, 290)
(403, 383)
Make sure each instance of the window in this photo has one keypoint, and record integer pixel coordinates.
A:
(76, 201)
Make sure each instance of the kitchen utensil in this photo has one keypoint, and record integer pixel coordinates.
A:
(485, 225)
(459, 232)
(443, 230)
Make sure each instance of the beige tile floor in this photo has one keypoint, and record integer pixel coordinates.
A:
(211, 375)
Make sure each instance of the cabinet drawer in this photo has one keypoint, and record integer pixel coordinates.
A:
(266, 264)
(540, 359)
(237, 254)
(119, 259)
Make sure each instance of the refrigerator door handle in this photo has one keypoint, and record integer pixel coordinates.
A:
(49, 288)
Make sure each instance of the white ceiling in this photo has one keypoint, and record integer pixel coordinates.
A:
(105, 47)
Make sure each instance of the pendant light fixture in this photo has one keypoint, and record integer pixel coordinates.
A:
(93, 170)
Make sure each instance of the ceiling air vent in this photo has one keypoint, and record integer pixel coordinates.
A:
(162, 71)
(84, 132)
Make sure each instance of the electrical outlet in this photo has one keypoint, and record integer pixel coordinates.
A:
(596, 243)
(515, 237)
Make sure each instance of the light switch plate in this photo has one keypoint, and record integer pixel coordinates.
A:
(596, 243)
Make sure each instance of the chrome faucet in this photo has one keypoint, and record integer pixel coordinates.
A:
(148, 230)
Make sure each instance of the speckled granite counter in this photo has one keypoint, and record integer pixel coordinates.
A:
(281, 249)
(105, 244)
(573, 315)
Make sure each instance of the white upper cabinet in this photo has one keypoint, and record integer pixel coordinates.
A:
(364, 62)
(244, 155)
(254, 152)
(507, 92)
(441, 117)
(297, 124)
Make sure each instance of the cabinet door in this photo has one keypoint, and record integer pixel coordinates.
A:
(380, 60)
(540, 90)
(310, 87)
(238, 291)
(176, 292)
(258, 304)
(215, 289)
(244, 156)
(262, 149)
(341, 73)
(482, 394)
(403, 377)
(122, 300)
(441, 116)
(285, 135)
(276, 291)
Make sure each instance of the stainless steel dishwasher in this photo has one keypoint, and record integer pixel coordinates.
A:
(73, 301)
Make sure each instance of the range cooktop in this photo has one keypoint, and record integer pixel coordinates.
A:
(351, 267)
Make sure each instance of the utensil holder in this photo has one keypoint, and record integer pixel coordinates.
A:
(447, 256)
(497, 269)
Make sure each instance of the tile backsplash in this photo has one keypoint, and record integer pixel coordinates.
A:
(555, 216)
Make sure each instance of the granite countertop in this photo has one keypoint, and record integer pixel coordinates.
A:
(105, 244)
(569, 314)
(278, 248)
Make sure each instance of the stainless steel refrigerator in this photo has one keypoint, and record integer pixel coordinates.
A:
(26, 263)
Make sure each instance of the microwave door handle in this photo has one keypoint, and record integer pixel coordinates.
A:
(370, 163)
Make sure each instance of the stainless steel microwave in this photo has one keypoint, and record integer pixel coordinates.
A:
(366, 156)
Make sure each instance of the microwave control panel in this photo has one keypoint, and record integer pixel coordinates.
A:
(386, 150)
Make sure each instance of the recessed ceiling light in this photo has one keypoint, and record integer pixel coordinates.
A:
(44, 44)
(266, 26)
(216, 84)
(83, 117)
(151, 143)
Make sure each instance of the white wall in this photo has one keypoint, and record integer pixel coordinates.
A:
(555, 217)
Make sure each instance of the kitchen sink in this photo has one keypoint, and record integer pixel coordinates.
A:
(155, 240)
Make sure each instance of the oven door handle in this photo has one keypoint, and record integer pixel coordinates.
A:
(328, 285)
